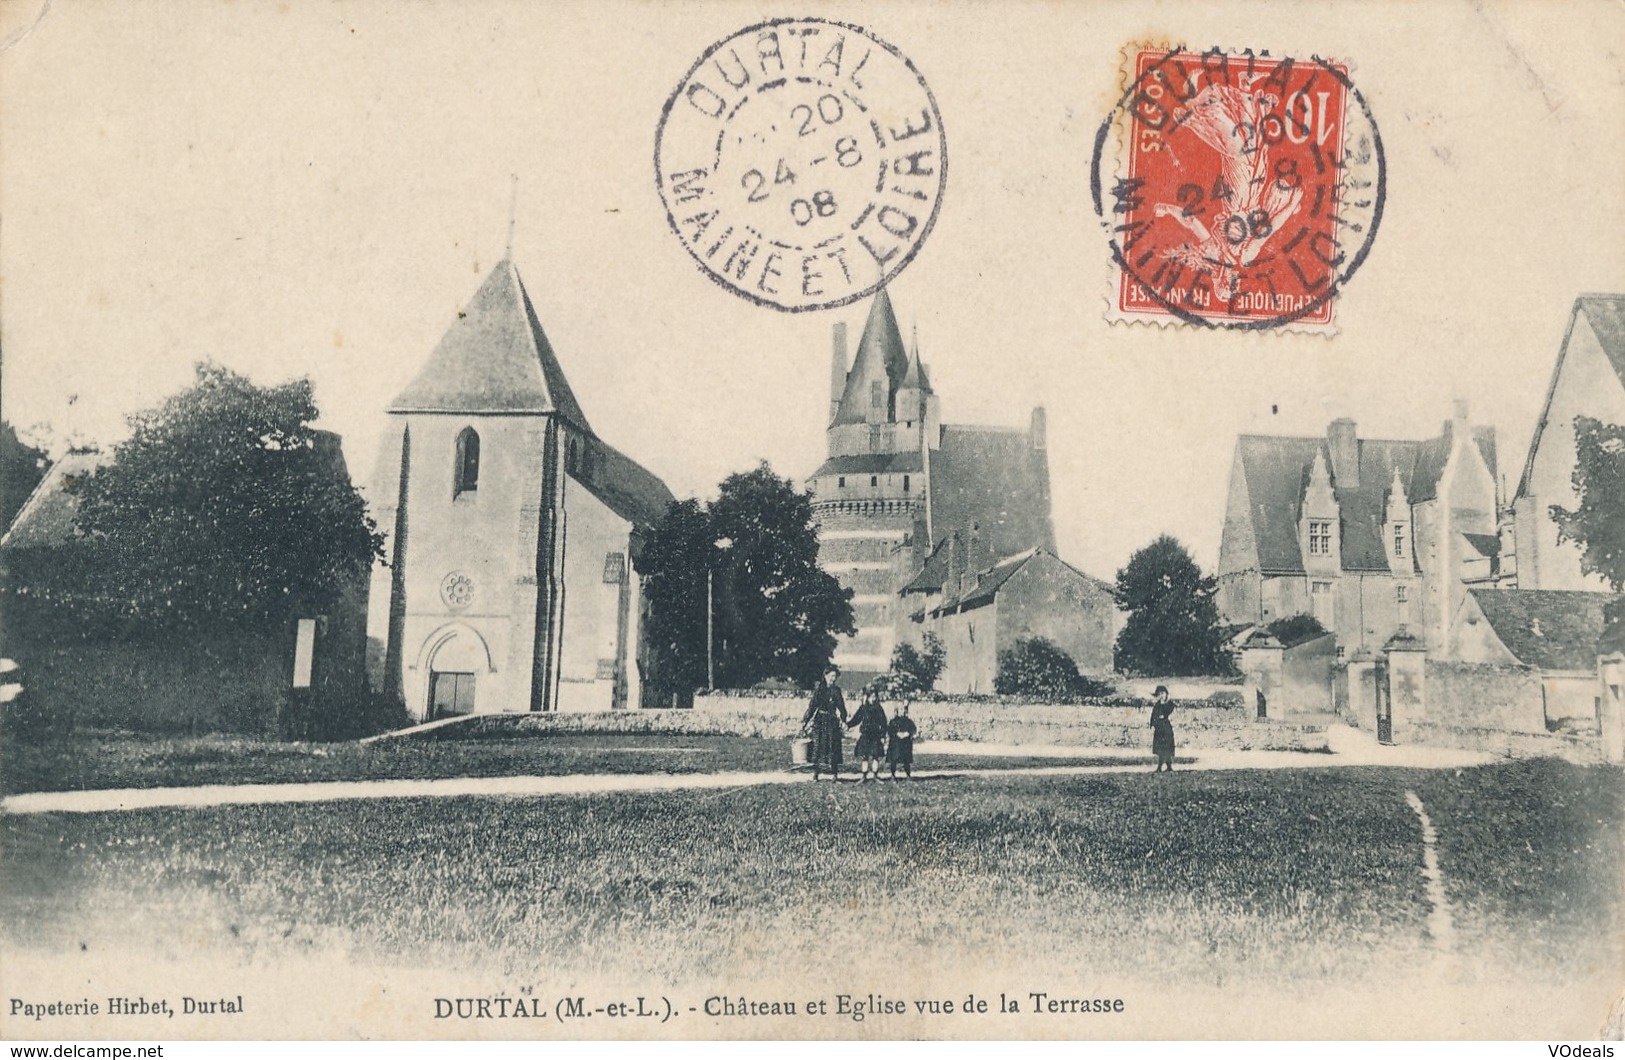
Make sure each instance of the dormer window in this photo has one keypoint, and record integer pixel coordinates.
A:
(1399, 540)
(468, 462)
(1320, 537)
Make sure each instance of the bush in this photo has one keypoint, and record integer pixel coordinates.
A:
(1039, 668)
(1295, 629)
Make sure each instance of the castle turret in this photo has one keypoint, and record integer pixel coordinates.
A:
(837, 370)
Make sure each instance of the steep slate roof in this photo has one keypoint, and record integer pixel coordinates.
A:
(1606, 314)
(984, 585)
(870, 464)
(915, 377)
(880, 358)
(993, 477)
(1277, 471)
(494, 358)
(1486, 545)
(1546, 628)
(933, 572)
(628, 489)
(46, 519)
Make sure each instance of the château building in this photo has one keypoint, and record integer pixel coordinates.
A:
(899, 483)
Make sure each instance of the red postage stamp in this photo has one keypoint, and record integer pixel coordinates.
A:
(1249, 190)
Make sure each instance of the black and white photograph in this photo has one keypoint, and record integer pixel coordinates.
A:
(871, 520)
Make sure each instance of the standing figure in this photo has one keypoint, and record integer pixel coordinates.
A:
(870, 720)
(825, 716)
(900, 750)
(1162, 729)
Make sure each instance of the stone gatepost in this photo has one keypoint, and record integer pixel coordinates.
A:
(1407, 683)
(1262, 659)
(1361, 675)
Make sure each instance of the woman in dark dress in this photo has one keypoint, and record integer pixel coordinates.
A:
(871, 724)
(824, 722)
(900, 751)
(1162, 730)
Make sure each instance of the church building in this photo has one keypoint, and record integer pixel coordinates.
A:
(899, 485)
(514, 531)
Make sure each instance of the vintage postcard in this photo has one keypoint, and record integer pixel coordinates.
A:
(876, 520)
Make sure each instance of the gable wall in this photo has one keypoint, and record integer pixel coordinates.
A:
(1586, 385)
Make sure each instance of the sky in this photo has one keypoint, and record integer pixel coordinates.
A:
(315, 189)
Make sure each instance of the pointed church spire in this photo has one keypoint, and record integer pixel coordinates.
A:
(494, 358)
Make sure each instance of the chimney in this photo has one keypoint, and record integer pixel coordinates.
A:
(837, 370)
(1039, 429)
(1345, 452)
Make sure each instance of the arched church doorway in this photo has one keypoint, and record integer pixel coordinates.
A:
(452, 669)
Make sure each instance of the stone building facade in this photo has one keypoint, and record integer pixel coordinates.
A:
(514, 530)
(979, 612)
(1370, 536)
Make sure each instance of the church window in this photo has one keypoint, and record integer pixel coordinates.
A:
(840, 483)
(877, 394)
(874, 439)
(614, 567)
(1399, 540)
(1320, 537)
(874, 480)
(905, 483)
(1402, 593)
(468, 461)
(571, 458)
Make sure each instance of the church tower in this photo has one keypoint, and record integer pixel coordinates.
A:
(513, 528)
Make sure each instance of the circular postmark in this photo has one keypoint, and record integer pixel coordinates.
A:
(1248, 192)
(801, 162)
(457, 590)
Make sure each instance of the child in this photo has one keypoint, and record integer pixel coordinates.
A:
(900, 750)
(871, 724)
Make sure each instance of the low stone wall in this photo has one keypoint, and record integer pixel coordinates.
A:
(1580, 749)
(1482, 696)
(1196, 728)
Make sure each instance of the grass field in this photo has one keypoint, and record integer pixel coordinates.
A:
(1222, 878)
(127, 760)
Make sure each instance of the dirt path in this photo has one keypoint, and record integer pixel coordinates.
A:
(594, 784)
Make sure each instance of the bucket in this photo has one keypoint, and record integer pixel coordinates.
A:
(800, 750)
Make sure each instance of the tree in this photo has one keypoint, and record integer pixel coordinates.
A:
(1173, 622)
(22, 466)
(774, 612)
(676, 559)
(914, 670)
(1597, 524)
(1040, 668)
(225, 508)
